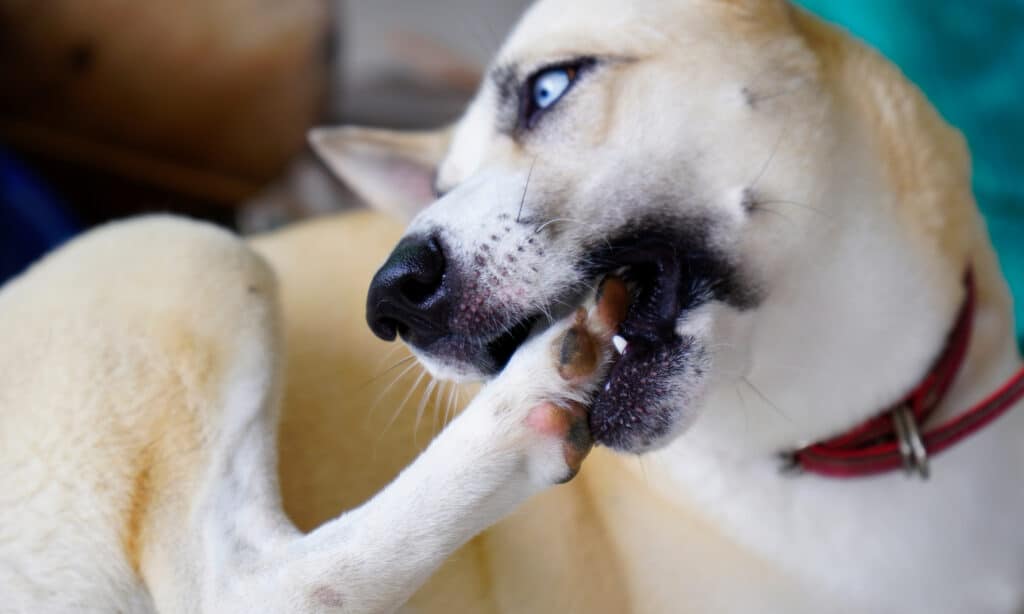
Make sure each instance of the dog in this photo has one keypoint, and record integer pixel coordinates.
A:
(772, 229)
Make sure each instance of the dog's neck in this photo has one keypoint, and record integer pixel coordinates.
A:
(842, 335)
(855, 324)
(824, 377)
(849, 332)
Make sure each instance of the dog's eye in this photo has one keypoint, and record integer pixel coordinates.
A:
(549, 85)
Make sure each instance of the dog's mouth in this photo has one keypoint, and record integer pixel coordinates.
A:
(649, 352)
(638, 405)
(659, 366)
(652, 273)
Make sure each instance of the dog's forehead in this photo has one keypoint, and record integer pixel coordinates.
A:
(635, 28)
(553, 28)
(557, 30)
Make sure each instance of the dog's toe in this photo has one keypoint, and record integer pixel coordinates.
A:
(587, 341)
(570, 425)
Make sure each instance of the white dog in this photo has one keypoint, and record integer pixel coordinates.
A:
(802, 256)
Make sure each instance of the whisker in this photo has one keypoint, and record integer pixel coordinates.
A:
(762, 209)
(771, 158)
(434, 415)
(391, 352)
(458, 401)
(384, 392)
(449, 407)
(526, 188)
(818, 210)
(540, 228)
(376, 377)
(558, 301)
(643, 469)
(744, 409)
(440, 407)
(405, 399)
(398, 410)
(422, 407)
(564, 220)
(758, 392)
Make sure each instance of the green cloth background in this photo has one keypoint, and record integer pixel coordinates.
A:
(968, 56)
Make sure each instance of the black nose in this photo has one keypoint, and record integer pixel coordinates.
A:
(409, 294)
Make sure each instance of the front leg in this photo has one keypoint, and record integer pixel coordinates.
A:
(526, 431)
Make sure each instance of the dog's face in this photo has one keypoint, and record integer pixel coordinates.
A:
(672, 143)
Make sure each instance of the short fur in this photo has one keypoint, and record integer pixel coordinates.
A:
(140, 368)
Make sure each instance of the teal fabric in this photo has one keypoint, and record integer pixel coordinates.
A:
(969, 58)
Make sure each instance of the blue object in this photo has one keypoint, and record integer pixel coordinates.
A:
(968, 57)
(32, 220)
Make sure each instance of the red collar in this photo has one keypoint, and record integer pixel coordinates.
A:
(893, 439)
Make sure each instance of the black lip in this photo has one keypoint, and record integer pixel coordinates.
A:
(639, 404)
(671, 266)
(502, 348)
(653, 270)
(675, 268)
(683, 248)
(652, 267)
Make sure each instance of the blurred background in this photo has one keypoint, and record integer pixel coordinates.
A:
(112, 108)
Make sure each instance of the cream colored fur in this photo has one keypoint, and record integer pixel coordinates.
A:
(141, 387)
(125, 485)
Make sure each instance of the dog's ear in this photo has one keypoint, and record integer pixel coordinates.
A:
(392, 171)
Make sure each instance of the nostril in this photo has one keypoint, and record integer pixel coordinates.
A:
(386, 328)
(417, 291)
(422, 280)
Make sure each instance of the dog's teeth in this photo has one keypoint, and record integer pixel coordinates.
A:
(620, 344)
(607, 386)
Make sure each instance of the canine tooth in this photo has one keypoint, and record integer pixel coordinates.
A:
(620, 344)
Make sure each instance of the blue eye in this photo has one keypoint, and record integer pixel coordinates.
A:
(550, 85)
(547, 86)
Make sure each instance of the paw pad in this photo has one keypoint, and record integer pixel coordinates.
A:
(569, 424)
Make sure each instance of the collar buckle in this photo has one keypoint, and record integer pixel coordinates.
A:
(911, 445)
(789, 464)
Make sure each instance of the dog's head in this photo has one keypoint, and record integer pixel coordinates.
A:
(705, 150)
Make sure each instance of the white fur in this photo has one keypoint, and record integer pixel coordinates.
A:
(707, 108)
(219, 541)
(847, 200)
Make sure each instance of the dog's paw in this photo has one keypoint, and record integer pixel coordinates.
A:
(544, 391)
(566, 425)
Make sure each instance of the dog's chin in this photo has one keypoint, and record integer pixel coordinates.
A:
(447, 370)
(647, 399)
(649, 395)
(462, 359)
